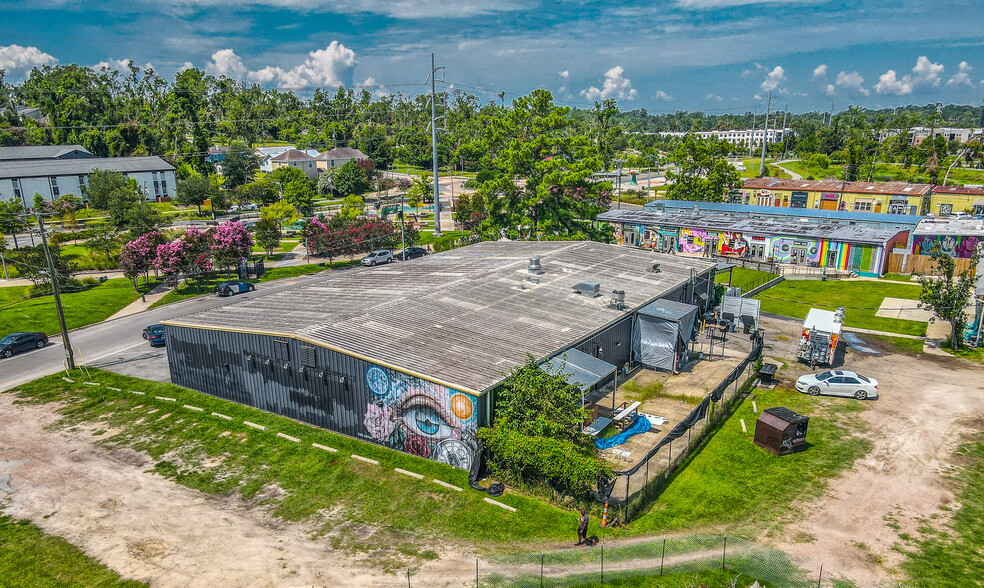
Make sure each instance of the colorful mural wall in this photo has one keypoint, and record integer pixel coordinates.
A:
(952, 245)
(420, 417)
(733, 244)
(789, 250)
(692, 240)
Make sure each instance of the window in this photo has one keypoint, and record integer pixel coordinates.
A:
(824, 376)
(17, 189)
(157, 185)
(281, 350)
(83, 188)
(53, 182)
(308, 356)
(862, 206)
(163, 184)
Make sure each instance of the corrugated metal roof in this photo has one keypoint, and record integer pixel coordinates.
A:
(758, 226)
(582, 370)
(40, 152)
(950, 226)
(466, 316)
(900, 188)
(72, 167)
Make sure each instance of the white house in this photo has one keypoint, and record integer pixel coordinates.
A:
(338, 157)
(266, 155)
(296, 158)
(21, 178)
(738, 136)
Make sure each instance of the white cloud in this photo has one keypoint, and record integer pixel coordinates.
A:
(961, 78)
(852, 83)
(615, 86)
(661, 95)
(890, 83)
(820, 71)
(265, 75)
(773, 79)
(564, 74)
(712, 97)
(17, 58)
(226, 63)
(927, 72)
(185, 66)
(121, 65)
(331, 66)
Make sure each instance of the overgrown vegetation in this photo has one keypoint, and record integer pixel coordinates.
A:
(30, 558)
(536, 438)
(947, 293)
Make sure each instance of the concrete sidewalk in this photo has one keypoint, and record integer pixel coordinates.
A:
(140, 305)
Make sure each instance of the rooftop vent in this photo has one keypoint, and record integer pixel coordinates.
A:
(535, 266)
(839, 315)
(589, 289)
(618, 300)
(655, 269)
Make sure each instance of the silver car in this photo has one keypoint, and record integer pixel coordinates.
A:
(380, 256)
(838, 383)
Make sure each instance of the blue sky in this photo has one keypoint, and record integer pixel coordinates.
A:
(665, 55)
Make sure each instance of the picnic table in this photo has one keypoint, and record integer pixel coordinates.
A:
(597, 426)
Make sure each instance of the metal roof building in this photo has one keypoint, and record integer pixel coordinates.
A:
(43, 152)
(407, 354)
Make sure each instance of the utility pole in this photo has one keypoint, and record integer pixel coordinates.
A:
(765, 135)
(69, 356)
(620, 163)
(785, 111)
(751, 138)
(437, 189)
(403, 230)
(830, 118)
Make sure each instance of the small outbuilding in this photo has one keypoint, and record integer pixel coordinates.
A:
(781, 431)
(663, 329)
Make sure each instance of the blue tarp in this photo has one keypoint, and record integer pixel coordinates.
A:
(641, 425)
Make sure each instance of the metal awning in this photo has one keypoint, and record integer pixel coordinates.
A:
(583, 370)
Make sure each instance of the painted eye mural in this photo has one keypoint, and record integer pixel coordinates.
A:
(420, 417)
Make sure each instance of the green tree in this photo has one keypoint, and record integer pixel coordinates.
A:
(12, 219)
(946, 294)
(262, 192)
(295, 187)
(268, 234)
(239, 165)
(351, 179)
(102, 184)
(280, 213)
(606, 133)
(194, 191)
(702, 170)
(352, 207)
(105, 239)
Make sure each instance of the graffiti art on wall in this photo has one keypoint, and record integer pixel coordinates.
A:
(952, 245)
(420, 417)
(692, 240)
(796, 250)
(733, 244)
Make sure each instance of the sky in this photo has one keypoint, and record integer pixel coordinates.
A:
(661, 55)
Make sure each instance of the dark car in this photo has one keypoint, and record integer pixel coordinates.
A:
(230, 288)
(17, 342)
(411, 253)
(154, 334)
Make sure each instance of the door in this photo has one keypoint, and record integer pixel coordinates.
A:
(857, 254)
(837, 386)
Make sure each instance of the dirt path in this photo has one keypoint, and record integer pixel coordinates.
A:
(150, 529)
(926, 404)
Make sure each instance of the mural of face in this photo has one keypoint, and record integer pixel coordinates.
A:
(420, 417)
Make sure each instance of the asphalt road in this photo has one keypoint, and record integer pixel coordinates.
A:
(117, 345)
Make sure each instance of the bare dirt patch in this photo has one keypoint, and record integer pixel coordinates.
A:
(926, 406)
(148, 528)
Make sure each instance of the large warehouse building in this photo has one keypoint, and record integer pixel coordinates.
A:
(409, 355)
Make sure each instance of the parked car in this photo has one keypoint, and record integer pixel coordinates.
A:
(377, 257)
(17, 342)
(154, 334)
(838, 383)
(233, 287)
(411, 253)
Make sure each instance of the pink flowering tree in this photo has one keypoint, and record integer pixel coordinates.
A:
(171, 259)
(138, 256)
(231, 243)
(198, 254)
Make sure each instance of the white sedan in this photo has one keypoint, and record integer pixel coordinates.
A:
(838, 383)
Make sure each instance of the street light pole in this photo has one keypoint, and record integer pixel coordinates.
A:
(620, 162)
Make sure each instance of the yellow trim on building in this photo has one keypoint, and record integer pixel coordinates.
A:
(455, 387)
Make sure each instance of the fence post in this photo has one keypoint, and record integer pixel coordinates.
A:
(820, 579)
(724, 554)
(408, 577)
(602, 563)
(662, 556)
(541, 570)
(476, 572)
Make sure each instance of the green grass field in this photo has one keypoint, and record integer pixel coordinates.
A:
(951, 556)
(403, 511)
(730, 482)
(743, 277)
(861, 300)
(30, 558)
(87, 260)
(81, 308)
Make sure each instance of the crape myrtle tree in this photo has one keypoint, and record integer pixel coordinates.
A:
(545, 165)
(137, 257)
(946, 294)
(231, 243)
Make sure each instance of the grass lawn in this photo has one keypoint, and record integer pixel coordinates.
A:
(742, 277)
(81, 308)
(28, 557)
(371, 507)
(951, 556)
(861, 300)
(901, 344)
(898, 277)
(191, 290)
(707, 578)
(85, 259)
(972, 353)
(731, 482)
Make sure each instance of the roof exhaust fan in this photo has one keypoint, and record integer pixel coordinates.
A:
(535, 270)
(618, 300)
(655, 269)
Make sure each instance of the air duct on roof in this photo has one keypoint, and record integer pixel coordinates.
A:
(589, 289)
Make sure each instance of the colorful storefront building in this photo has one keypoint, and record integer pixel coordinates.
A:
(958, 238)
(950, 199)
(861, 249)
(877, 197)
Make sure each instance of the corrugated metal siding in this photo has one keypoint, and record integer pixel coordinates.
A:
(612, 345)
(319, 386)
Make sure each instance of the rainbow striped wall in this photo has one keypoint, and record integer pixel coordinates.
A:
(843, 256)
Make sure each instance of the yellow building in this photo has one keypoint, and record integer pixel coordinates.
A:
(884, 197)
(950, 199)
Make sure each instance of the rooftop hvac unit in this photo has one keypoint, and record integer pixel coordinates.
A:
(589, 289)
(618, 300)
